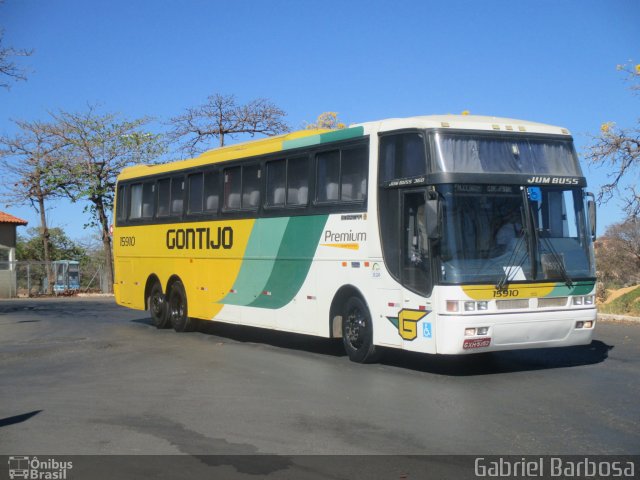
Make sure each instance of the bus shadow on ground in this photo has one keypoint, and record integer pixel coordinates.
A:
(451, 365)
(501, 362)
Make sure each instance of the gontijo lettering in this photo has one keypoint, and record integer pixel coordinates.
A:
(199, 238)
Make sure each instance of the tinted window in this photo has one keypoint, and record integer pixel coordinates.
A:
(251, 187)
(211, 191)
(141, 201)
(353, 182)
(402, 156)
(195, 193)
(328, 176)
(276, 179)
(177, 196)
(342, 175)
(298, 181)
(121, 212)
(232, 187)
(164, 197)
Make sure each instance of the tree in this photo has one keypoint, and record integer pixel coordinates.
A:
(9, 70)
(327, 120)
(619, 148)
(61, 246)
(221, 117)
(618, 253)
(98, 147)
(32, 159)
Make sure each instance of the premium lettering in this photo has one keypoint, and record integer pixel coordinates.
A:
(202, 238)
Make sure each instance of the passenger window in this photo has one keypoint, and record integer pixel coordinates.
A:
(135, 209)
(298, 181)
(142, 200)
(276, 182)
(353, 184)
(342, 175)
(251, 187)
(328, 176)
(195, 193)
(211, 191)
(232, 187)
(164, 197)
(121, 213)
(177, 196)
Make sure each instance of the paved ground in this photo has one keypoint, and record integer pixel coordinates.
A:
(84, 376)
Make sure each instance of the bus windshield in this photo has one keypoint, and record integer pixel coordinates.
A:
(502, 233)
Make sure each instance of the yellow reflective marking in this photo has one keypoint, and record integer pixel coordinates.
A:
(350, 246)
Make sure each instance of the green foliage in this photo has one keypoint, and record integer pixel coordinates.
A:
(61, 246)
(627, 304)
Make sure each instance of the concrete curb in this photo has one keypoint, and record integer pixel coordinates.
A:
(612, 317)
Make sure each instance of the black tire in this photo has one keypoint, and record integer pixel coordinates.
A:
(357, 332)
(177, 309)
(158, 307)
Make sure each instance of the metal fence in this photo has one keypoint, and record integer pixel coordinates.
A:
(30, 278)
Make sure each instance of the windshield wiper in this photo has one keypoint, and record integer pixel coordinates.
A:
(558, 262)
(510, 269)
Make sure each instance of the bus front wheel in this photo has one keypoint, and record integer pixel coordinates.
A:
(178, 313)
(357, 332)
(158, 307)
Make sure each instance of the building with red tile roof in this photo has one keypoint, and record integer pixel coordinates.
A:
(8, 240)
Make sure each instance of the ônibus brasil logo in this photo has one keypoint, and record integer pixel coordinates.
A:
(36, 469)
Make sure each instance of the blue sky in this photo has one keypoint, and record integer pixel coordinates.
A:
(547, 61)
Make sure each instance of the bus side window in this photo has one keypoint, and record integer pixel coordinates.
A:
(121, 212)
(276, 176)
(298, 181)
(164, 197)
(195, 193)
(232, 187)
(251, 187)
(148, 199)
(211, 191)
(135, 201)
(177, 196)
(402, 156)
(353, 184)
(328, 176)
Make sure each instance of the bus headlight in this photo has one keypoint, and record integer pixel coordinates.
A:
(583, 300)
(469, 306)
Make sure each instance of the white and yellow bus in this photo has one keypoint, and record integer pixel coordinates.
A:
(435, 234)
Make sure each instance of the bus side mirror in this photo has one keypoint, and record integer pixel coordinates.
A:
(591, 210)
(432, 209)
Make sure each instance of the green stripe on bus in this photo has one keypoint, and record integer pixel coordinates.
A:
(259, 260)
(577, 288)
(334, 136)
(296, 253)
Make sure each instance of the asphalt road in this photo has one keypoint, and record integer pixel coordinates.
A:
(84, 376)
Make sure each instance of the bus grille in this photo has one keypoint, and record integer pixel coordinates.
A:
(511, 304)
(552, 302)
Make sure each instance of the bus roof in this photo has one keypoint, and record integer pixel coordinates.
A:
(317, 136)
(465, 122)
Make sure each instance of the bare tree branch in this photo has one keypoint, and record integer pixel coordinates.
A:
(222, 117)
(8, 67)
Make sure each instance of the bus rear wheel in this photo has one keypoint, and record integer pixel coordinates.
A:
(178, 312)
(158, 307)
(357, 332)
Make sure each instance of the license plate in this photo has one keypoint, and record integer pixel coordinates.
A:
(476, 343)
